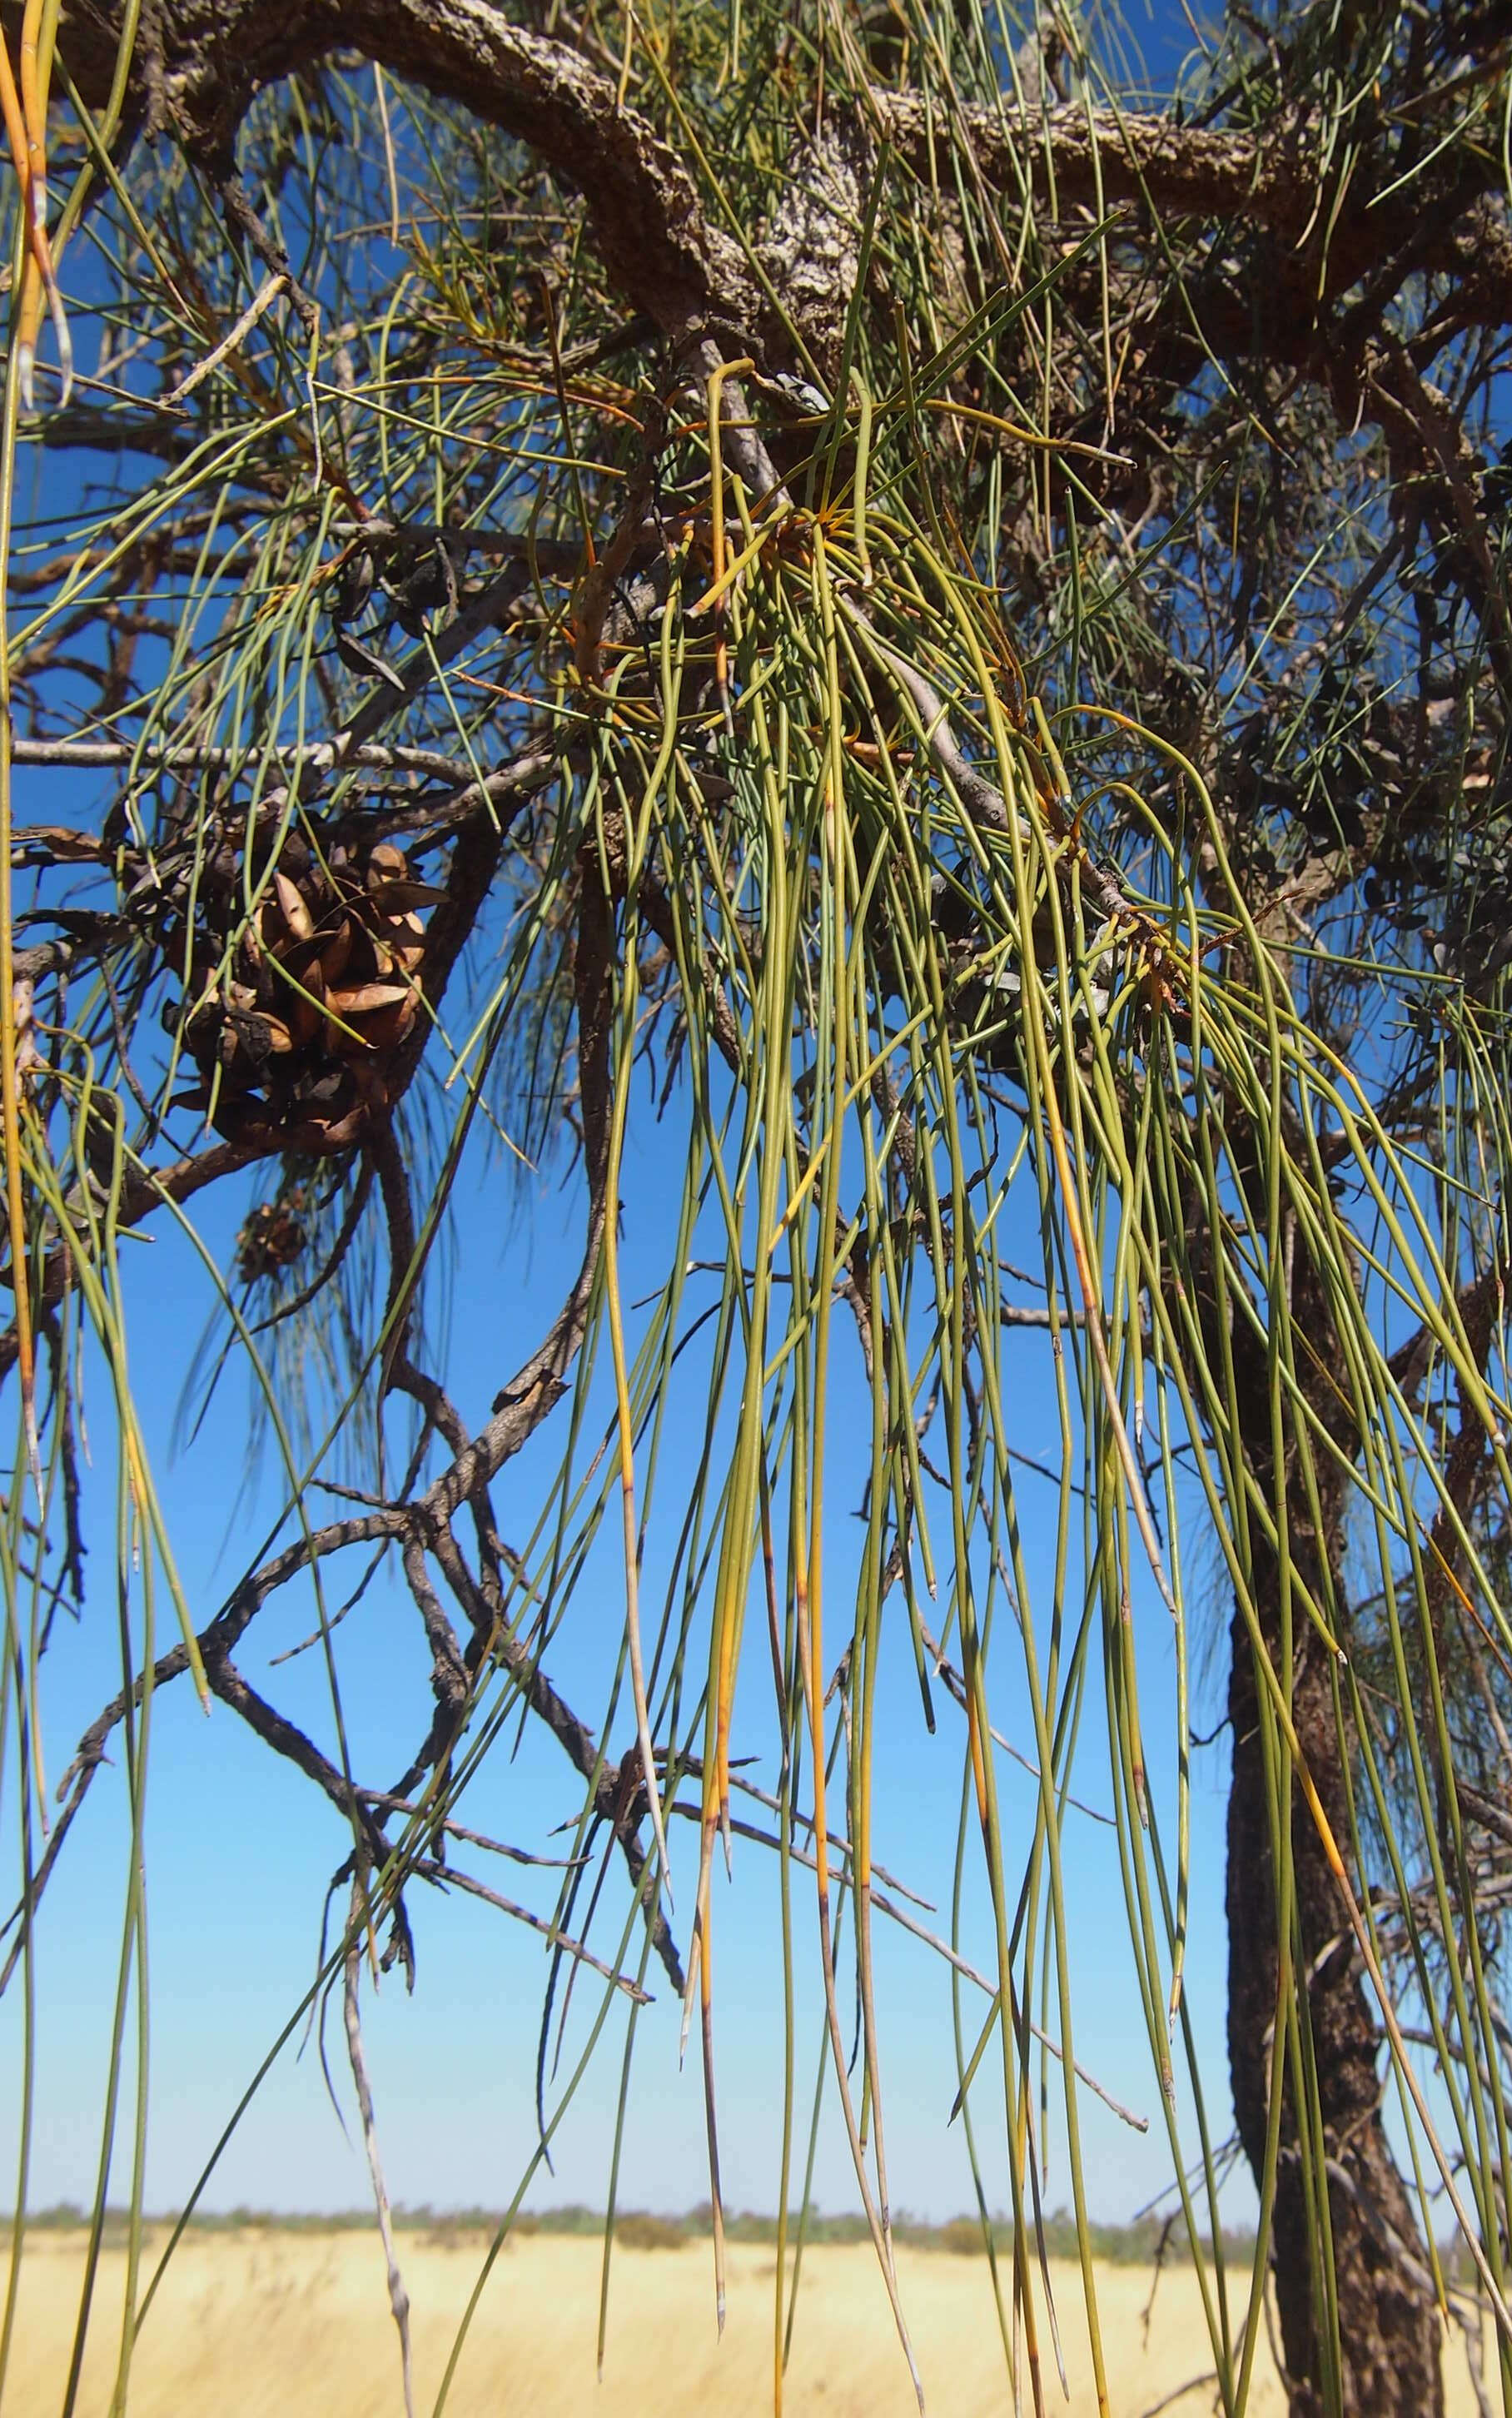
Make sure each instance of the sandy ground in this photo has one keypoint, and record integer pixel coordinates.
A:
(252, 2324)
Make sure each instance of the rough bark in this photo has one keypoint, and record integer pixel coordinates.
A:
(1387, 2324)
(198, 64)
(1387, 2328)
(1107, 159)
(201, 63)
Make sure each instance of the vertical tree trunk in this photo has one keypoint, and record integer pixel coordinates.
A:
(1382, 2319)
(1388, 2328)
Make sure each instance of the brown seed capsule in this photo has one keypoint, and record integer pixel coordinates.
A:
(385, 1028)
(296, 914)
(395, 897)
(335, 952)
(351, 1002)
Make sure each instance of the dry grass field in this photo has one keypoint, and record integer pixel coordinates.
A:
(270, 2324)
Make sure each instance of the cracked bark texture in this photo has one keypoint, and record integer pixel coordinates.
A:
(1316, 2043)
(200, 63)
(207, 61)
(1387, 2318)
(1388, 2325)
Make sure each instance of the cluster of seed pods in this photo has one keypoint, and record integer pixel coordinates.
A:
(299, 1026)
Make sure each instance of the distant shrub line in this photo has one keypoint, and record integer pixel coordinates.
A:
(640, 2230)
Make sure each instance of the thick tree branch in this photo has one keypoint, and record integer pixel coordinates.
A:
(1269, 178)
(214, 55)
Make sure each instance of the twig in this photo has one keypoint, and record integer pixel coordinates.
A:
(391, 1804)
(1169, 2401)
(398, 2295)
(266, 295)
(447, 1876)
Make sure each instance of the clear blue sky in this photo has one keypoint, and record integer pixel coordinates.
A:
(241, 1847)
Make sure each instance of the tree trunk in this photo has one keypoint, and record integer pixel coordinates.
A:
(1388, 2332)
(1367, 2345)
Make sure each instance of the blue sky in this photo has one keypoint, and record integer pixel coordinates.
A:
(239, 1848)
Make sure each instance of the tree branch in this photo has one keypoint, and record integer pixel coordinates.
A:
(1268, 178)
(649, 225)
